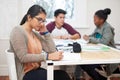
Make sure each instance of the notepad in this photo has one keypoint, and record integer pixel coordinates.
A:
(71, 56)
(95, 48)
(61, 42)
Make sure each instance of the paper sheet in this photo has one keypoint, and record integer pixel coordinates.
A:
(71, 56)
(61, 42)
(94, 48)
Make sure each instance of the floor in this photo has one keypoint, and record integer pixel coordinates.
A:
(7, 78)
(4, 78)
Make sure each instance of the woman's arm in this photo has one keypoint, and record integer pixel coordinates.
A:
(19, 45)
(106, 37)
(48, 44)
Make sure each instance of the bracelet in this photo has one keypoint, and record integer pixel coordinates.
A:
(47, 57)
(44, 33)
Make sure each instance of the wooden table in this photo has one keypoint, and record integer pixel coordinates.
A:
(106, 56)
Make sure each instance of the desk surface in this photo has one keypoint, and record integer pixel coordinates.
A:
(108, 56)
(94, 54)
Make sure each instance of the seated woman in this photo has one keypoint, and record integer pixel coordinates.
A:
(61, 30)
(104, 34)
(28, 47)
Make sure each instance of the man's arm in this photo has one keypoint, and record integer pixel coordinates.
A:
(73, 33)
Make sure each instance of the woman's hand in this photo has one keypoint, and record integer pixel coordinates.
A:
(43, 28)
(55, 56)
(86, 37)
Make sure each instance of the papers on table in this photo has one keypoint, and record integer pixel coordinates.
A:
(81, 41)
(61, 42)
(65, 49)
(62, 45)
(95, 48)
(71, 56)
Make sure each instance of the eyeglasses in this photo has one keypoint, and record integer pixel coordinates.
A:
(40, 20)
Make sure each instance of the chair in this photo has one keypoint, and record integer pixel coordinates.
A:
(104, 73)
(11, 65)
(117, 76)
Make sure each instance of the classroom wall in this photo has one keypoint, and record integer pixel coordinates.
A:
(92, 6)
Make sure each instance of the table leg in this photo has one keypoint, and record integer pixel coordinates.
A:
(50, 71)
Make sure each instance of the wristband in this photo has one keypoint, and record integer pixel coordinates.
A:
(47, 57)
(44, 33)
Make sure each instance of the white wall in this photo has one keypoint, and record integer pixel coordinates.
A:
(7, 17)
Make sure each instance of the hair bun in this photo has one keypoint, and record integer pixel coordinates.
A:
(107, 11)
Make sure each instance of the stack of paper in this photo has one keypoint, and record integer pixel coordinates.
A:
(71, 56)
(94, 48)
(61, 42)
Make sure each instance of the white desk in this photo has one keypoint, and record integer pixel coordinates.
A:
(87, 57)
